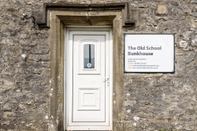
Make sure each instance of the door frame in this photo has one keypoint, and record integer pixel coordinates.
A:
(68, 78)
(56, 42)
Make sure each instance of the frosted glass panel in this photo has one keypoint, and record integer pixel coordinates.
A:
(89, 56)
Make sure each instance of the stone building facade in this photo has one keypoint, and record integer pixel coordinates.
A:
(31, 79)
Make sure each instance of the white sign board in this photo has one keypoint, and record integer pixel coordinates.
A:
(149, 53)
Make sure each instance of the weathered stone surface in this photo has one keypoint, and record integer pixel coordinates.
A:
(40, 50)
(186, 9)
(194, 1)
(194, 14)
(161, 9)
(152, 101)
(39, 57)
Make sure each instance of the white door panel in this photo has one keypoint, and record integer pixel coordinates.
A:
(88, 80)
(88, 88)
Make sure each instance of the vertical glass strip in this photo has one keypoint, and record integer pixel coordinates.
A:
(89, 56)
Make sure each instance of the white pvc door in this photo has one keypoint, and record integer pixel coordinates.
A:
(89, 80)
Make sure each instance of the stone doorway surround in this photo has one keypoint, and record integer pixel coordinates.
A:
(58, 16)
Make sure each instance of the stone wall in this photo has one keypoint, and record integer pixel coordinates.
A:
(24, 68)
(165, 101)
(152, 101)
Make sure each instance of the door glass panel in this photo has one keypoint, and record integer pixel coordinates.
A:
(89, 56)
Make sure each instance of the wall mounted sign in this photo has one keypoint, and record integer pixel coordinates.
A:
(149, 53)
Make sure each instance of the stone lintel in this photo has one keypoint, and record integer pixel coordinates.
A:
(42, 17)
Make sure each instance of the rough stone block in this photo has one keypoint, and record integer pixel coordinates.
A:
(194, 1)
(7, 107)
(7, 114)
(161, 9)
(194, 14)
(36, 57)
(186, 9)
(40, 50)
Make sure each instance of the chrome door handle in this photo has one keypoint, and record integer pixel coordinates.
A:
(106, 79)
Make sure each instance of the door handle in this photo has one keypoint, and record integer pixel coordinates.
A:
(106, 79)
